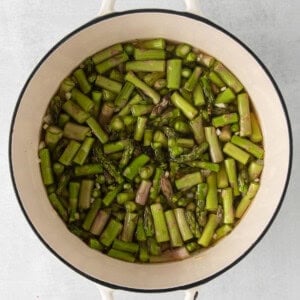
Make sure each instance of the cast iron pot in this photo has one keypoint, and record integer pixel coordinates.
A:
(108, 29)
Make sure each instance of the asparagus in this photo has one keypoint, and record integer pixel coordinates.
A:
(84, 151)
(188, 110)
(161, 230)
(115, 146)
(228, 77)
(227, 96)
(250, 147)
(175, 237)
(227, 199)
(126, 156)
(246, 200)
(143, 255)
(225, 119)
(140, 233)
(82, 100)
(196, 153)
(222, 180)
(125, 246)
(100, 221)
(95, 244)
(236, 153)
(256, 135)
(130, 223)
(146, 66)
(111, 195)
(58, 169)
(124, 94)
(110, 233)
(209, 230)
(230, 167)
(91, 215)
(222, 231)
(58, 206)
(108, 84)
(69, 153)
(52, 136)
(111, 62)
(174, 73)
(198, 130)
(85, 192)
(148, 222)
(107, 164)
(107, 53)
(198, 96)
(244, 112)
(189, 180)
(46, 167)
(214, 78)
(133, 168)
(192, 81)
(254, 170)
(183, 127)
(75, 111)
(154, 191)
(76, 132)
(152, 44)
(143, 192)
(193, 224)
(214, 145)
(138, 110)
(88, 169)
(143, 86)
(183, 226)
(97, 130)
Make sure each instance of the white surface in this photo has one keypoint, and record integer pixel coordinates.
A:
(27, 30)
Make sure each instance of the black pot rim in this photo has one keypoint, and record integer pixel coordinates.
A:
(166, 11)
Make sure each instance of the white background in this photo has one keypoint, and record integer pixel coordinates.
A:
(28, 29)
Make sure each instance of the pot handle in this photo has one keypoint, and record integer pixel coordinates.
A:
(191, 294)
(105, 292)
(192, 6)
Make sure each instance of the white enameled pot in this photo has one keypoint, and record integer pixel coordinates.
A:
(142, 24)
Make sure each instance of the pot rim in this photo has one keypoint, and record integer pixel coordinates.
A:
(197, 18)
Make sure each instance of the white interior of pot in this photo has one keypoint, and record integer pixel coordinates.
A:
(26, 139)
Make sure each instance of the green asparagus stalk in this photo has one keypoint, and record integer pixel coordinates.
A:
(74, 188)
(52, 136)
(225, 119)
(236, 153)
(75, 111)
(69, 153)
(140, 234)
(107, 53)
(228, 77)
(111, 62)
(246, 200)
(192, 81)
(88, 169)
(148, 222)
(250, 147)
(198, 96)
(58, 206)
(175, 237)
(214, 78)
(152, 44)
(85, 192)
(130, 223)
(143, 86)
(198, 130)
(126, 156)
(124, 94)
(46, 167)
(97, 130)
(189, 180)
(92, 213)
(232, 175)
(254, 170)
(222, 180)
(121, 255)
(222, 231)
(82, 100)
(100, 221)
(227, 200)
(84, 151)
(108, 84)
(214, 146)
(193, 224)
(209, 230)
(256, 135)
(244, 113)
(212, 193)
(115, 146)
(143, 255)
(183, 226)
(133, 168)
(146, 66)
(174, 73)
(188, 110)
(76, 132)
(227, 96)
(110, 233)
(111, 195)
(151, 54)
(125, 246)
(161, 230)
(95, 244)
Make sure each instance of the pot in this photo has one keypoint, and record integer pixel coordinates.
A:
(100, 33)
